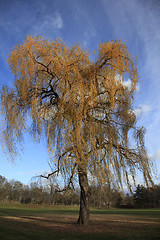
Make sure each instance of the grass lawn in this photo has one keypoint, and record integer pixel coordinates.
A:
(25, 222)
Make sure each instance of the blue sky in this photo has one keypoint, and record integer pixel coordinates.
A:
(88, 22)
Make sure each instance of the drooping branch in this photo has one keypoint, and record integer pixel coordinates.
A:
(49, 174)
(75, 102)
(70, 181)
(58, 167)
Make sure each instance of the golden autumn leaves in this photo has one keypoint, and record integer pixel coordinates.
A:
(83, 107)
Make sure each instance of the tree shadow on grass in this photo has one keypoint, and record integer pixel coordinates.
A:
(65, 227)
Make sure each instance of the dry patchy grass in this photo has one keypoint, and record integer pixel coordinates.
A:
(98, 223)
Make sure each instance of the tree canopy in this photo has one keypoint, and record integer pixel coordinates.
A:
(83, 107)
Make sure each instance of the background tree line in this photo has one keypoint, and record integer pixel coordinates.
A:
(100, 195)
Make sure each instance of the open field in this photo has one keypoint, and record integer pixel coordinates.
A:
(25, 222)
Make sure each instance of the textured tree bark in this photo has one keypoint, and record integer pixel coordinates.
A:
(84, 197)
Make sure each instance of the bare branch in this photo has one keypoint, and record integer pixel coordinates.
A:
(70, 182)
(58, 170)
(48, 175)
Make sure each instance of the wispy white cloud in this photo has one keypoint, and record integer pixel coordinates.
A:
(49, 22)
(137, 23)
(89, 33)
(15, 26)
(22, 18)
(127, 83)
(86, 23)
(156, 156)
(143, 109)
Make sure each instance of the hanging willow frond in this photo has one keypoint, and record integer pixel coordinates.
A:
(81, 105)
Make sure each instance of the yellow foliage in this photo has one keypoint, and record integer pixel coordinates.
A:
(83, 107)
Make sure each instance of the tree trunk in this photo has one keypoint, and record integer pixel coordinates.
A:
(84, 197)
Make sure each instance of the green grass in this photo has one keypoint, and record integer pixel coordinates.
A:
(118, 224)
(20, 209)
(153, 213)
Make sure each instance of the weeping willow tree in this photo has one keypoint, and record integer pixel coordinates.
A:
(83, 108)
